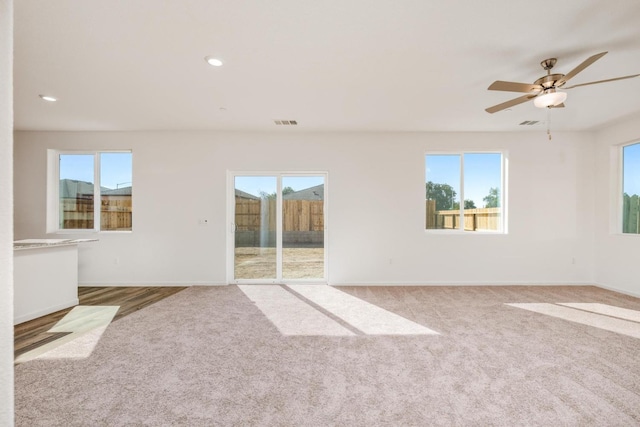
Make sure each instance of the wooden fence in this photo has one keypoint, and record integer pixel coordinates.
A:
(77, 213)
(297, 215)
(631, 214)
(483, 219)
(302, 220)
(115, 213)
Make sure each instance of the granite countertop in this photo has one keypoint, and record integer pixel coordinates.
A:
(47, 243)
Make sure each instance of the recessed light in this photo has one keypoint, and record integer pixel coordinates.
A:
(49, 98)
(213, 61)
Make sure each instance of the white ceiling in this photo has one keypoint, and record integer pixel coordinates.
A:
(332, 65)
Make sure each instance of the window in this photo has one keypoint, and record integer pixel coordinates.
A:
(82, 179)
(464, 191)
(631, 188)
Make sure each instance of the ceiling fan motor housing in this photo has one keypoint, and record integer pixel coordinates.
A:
(550, 80)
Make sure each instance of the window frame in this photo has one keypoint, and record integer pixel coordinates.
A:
(504, 167)
(53, 192)
(619, 208)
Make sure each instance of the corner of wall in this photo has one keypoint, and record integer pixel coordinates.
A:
(6, 213)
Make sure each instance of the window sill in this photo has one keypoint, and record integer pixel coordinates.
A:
(64, 232)
(465, 233)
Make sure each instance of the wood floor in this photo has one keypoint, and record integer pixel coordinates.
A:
(33, 334)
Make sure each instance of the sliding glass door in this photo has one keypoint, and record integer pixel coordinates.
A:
(303, 227)
(277, 228)
(255, 227)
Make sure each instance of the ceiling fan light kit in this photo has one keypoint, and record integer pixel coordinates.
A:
(549, 98)
(544, 90)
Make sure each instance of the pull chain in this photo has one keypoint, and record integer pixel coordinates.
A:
(549, 122)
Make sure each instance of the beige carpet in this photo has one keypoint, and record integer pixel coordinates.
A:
(381, 356)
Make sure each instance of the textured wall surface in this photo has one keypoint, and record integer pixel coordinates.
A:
(6, 212)
(375, 195)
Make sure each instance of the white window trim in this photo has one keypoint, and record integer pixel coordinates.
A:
(504, 173)
(53, 192)
(616, 184)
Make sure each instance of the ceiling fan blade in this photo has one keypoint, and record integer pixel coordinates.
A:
(508, 104)
(514, 87)
(602, 81)
(580, 67)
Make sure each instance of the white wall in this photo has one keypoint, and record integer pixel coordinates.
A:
(376, 205)
(617, 255)
(6, 212)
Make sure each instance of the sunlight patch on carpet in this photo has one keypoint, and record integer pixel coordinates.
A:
(320, 310)
(607, 310)
(601, 321)
(85, 325)
(362, 315)
(291, 315)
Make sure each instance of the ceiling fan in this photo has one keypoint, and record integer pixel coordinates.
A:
(544, 91)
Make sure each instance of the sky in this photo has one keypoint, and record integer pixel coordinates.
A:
(115, 168)
(481, 173)
(256, 184)
(631, 165)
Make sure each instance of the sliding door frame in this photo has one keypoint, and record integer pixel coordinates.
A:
(230, 226)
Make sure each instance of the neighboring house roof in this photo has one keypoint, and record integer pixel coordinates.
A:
(124, 191)
(312, 193)
(243, 195)
(71, 188)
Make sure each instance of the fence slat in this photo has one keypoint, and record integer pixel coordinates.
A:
(484, 219)
(297, 215)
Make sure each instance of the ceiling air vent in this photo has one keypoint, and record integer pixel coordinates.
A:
(285, 122)
(529, 122)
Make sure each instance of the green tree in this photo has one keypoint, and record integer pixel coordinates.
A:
(287, 190)
(443, 194)
(492, 200)
(631, 214)
(468, 204)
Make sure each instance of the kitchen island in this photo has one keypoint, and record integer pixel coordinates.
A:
(45, 275)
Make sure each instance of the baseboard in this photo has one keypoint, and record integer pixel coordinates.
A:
(147, 284)
(464, 284)
(161, 284)
(44, 312)
(620, 291)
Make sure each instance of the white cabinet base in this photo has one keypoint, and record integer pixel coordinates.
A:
(45, 281)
